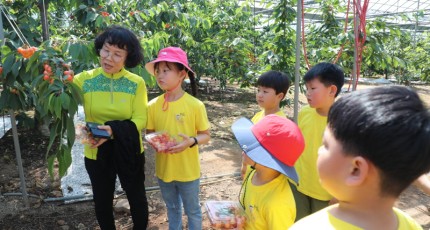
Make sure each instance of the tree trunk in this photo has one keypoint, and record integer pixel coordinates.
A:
(43, 8)
(41, 124)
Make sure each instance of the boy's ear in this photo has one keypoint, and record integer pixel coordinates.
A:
(358, 172)
(333, 90)
(280, 96)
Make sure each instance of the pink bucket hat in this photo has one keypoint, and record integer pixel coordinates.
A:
(169, 54)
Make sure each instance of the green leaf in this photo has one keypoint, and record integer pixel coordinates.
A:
(75, 51)
(65, 99)
(76, 93)
(73, 107)
(4, 100)
(5, 50)
(64, 160)
(57, 86)
(53, 135)
(51, 102)
(14, 102)
(7, 64)
(90, 17)
(16, 67)
(99, 21)
(22, 100)
(87, 55)
(24, 75)
(57, 107)
(32, 61)
(70, 132)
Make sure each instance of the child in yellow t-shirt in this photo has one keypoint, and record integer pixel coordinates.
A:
(271, 147)
(272, 87)
(179, 114)
(323, 83)
(375, 145)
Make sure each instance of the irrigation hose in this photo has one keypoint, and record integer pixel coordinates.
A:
(85, 197)
(148, 189)
(19, 194)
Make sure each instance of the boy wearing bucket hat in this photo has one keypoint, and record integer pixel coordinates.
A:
(271, 147)
(184, 116)
(375, 145)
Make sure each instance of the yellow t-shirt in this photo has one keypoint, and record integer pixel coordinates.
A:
(268, 206)
(324, 220)
(312, 126)
(258, 116)
(186, 115)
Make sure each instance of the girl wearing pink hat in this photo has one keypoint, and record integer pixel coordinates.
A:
(182, 116)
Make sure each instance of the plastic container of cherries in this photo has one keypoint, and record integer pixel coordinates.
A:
(161, 141)
(225, 214)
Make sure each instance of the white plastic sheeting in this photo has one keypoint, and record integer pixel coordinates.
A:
(76, 181)
(5, 125)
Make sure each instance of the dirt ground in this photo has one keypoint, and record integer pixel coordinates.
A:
(220, 162)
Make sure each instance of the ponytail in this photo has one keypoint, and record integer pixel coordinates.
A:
(193, 83)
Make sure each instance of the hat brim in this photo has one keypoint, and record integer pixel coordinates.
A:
(150, 65)
(252, 148)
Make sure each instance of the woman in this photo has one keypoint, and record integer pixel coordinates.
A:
(117, 100)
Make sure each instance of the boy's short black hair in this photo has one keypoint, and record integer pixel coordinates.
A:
(124, 39)
(276, 80)
(390, 127)
(328, 74)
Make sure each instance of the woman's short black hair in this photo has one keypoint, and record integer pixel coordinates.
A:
(124, 39)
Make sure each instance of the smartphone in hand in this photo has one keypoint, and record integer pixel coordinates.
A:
(96, 132)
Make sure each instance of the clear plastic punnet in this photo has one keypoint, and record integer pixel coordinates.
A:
(161, 141)
(82, 134)
(225, 214)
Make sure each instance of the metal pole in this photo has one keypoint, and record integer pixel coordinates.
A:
(15, 134)
(354, 68)
(416, 23)
(18, 157)
(297, 65)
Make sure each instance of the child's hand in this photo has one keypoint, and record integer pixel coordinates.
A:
(187, 141)
(241, 222)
